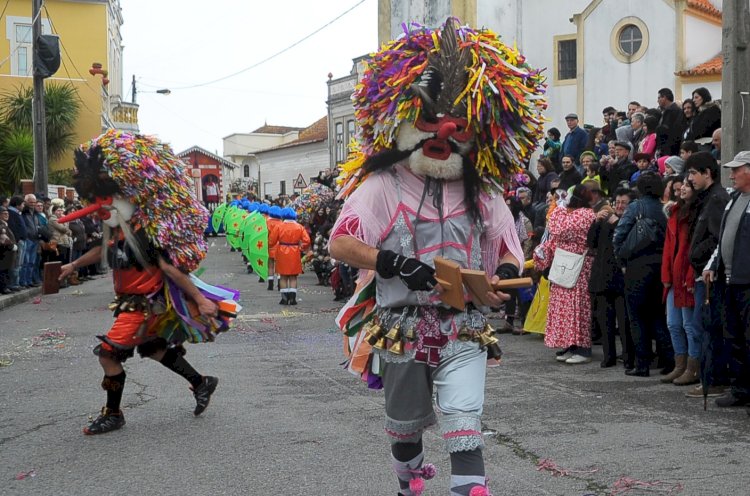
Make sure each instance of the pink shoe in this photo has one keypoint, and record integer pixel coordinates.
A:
(479, 491)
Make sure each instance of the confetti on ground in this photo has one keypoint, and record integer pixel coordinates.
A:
(50, 338)
(26, 475)
(37, 300)
(6, 362)
(77, 292)
(625, 484)
(558, 471)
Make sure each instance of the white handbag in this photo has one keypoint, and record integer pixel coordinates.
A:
(566, 267)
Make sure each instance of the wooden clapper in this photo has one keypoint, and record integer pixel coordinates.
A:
(453, 278)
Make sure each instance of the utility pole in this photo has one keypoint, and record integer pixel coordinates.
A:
(735, 85)
(40, 126)
(135, 91)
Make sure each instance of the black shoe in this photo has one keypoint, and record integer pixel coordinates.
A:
(730, 400)
(7, 291)
(35, 285)
(605, 364)
(260, 279)
(292, 298)
(270, 284)
(284, 299)
(637, 372)
(203, 393)
(106, 421)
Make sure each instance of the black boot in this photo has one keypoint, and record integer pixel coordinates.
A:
(203, 393)
(284, 299)
(260, 279)
(292, 298)
(270, 284)
(320, 280)
(108, 420)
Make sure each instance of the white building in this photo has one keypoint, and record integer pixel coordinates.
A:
(275, 157)
(597, 52)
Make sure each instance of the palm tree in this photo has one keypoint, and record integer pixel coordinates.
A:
(62, 107)
(16, 158)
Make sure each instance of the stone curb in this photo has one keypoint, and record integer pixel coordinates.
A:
(7, 301)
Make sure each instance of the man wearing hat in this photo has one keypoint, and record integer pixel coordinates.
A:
(727, 268)
(619, 171)
(575, 140)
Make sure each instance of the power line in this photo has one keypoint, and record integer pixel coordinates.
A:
(275, 54)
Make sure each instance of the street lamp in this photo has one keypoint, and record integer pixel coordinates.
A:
(163, 91)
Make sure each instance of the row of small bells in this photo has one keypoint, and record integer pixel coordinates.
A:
(377, 340)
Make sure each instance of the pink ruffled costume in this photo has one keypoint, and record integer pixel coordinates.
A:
(395, 210)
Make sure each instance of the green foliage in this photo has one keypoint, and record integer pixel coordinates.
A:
(63, 177)
(62, 108)
(16, 158)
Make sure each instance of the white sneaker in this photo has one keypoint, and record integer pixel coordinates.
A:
(576, 359)
(564, 357)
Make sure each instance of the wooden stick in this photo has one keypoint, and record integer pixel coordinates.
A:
(521, 282)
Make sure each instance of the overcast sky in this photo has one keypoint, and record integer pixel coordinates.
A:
(178, 43)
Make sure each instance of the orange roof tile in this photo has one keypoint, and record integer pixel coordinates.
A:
(317, 131)
(706, 7)
(710, 68)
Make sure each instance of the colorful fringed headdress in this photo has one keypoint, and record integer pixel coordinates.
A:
(455, 71)
(146, 172)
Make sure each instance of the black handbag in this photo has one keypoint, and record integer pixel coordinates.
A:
(43, 233)
(644, 234)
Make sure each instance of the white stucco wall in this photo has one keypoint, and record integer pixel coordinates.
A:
(285, 164)
(713, 87)
(702, 41)
(240, 144)
(501, 16)
(542, 20)
(428, 12)
(609, 81)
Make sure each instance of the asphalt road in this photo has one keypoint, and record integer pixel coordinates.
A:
(287, 419)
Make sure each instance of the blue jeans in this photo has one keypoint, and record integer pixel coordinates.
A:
(30, 261)
(15, 271)
(686, 337)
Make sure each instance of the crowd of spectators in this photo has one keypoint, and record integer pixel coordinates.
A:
(651, 175)
(30, 236)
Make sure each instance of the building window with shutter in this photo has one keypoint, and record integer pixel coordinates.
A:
(246, 171)
(340, 145)
(565, 59)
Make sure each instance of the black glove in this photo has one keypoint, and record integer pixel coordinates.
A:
(416, 275)
(507, 271)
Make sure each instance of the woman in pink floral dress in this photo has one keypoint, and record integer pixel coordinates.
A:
(569, 311)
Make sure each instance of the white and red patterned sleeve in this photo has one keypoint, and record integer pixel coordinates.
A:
(366, 213)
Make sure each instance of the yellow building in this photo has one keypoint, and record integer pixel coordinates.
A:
(89, 32)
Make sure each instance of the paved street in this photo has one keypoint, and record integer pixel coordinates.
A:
(287, 419)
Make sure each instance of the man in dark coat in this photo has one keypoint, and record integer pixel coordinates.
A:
(18, 226)
(671, 125)
(619, 171)
(7, 251)
(606, 284)
(575, 140)
(728, 268)
(709, 204)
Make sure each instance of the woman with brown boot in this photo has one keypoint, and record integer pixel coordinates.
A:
(678, 278)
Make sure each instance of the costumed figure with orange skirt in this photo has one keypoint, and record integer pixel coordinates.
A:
(290, 240)
(446, 117)
(272, 222)
(153, 239)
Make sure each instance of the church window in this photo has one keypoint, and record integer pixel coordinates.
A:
(630, 39)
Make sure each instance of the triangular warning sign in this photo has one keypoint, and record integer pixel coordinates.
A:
(300, 183)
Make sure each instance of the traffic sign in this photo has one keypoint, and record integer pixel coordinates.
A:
(300, 182)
